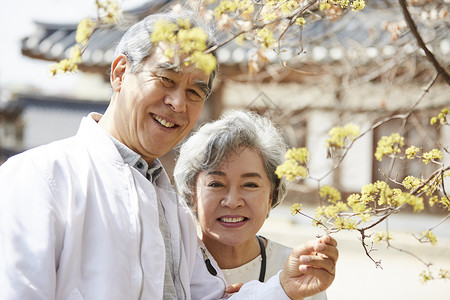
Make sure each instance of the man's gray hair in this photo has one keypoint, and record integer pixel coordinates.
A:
(207, 148)
(137, 46)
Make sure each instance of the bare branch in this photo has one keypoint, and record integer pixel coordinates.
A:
(415, 32)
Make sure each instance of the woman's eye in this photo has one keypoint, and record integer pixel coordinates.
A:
(251, 185)
(215, 184)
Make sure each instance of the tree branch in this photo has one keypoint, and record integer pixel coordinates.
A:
(415, 32)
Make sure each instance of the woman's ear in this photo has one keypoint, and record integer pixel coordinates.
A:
(118, 68)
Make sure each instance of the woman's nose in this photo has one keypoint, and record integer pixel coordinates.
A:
(232, 199)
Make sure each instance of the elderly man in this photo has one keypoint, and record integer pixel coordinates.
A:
(95, 216)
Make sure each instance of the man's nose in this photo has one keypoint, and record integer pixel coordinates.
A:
(176, 99)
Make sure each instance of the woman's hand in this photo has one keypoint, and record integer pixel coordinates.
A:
(310, 268)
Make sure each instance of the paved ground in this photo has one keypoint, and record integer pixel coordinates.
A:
(357, 278)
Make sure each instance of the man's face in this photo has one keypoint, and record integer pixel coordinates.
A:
(158, 106)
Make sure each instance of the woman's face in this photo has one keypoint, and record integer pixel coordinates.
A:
(233, 200)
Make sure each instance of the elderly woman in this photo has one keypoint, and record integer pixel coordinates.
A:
(226, 173)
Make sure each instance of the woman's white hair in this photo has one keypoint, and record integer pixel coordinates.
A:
(210, 145)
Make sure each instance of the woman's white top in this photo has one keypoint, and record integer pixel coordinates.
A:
(276, 256)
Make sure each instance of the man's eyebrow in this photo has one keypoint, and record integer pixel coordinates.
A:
(203, 86)
(168, 66)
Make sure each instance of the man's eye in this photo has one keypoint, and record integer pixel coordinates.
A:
(196, 96)
(166, 82)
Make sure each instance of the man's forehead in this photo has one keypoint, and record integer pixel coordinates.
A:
(175, 64)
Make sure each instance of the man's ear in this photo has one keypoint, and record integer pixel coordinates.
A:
(118, 68)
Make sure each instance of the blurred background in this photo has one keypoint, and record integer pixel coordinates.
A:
(351, 67)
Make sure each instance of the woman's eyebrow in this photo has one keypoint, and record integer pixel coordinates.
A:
(216, 172)
(245, 175)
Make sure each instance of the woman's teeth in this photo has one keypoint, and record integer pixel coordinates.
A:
(232, 220)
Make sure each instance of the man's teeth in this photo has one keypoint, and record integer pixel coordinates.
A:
(163, 122)
(232, 220)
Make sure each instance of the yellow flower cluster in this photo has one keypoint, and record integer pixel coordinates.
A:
(301, 155)
(434, 154)
(330, 193)
(382, 236)
(229, 6)
(296, 208)
(411, 152)
(358, 5)
(411, 182)
(380, 193)
(355, 5)
(300, 21)
(108, 11)
(265, 37)
(427, 275)
(429, 237)
(291, 170)
(63, 66)
(293, 167)
(442, 117)
(84, 31)
(389, 145)
(340, 135)
(190, 42)
(444, 274)
(274, 9)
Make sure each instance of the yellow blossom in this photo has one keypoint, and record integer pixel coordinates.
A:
(75, 54)
(291, 170)
(433, 200)
(108, 11)
(193, 39)
(299, 154)
(296, 208)
(442, 117)
(246, 6)
(434, 154)
(389, 145)
(444, 274)
(339, 135)
(184, 23)
(84, 31)
(320, 211)
(225, 6)
(164, 31)
(381, 236)
(204, 61)
(425, 277)
(300, 21)
(411, 152)
(430, 237)
(63, 66)
(358, 5)
(265, 36)
(330, 193)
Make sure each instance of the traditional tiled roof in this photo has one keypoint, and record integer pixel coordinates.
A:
(356, 37)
